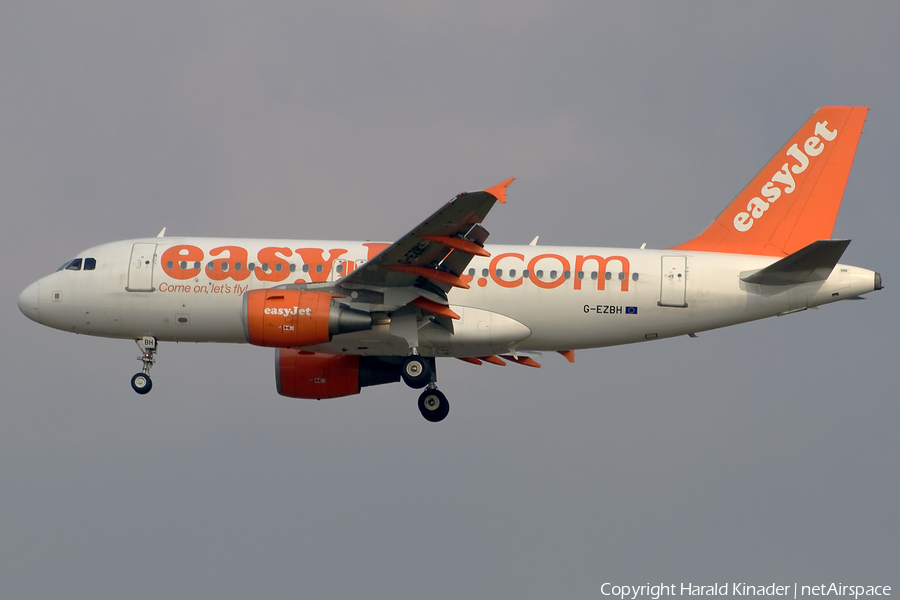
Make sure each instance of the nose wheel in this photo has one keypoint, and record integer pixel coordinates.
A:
(141, 382)
(433, 404)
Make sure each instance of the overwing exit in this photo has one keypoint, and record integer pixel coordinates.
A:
(342, 316)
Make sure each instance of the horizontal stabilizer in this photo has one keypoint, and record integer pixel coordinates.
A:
(811, 263)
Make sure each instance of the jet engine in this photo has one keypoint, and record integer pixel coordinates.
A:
(294, 318)
(312, 375)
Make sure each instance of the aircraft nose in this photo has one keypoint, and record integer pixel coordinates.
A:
(28, 301)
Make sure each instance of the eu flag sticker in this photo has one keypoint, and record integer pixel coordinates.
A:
(631, 310)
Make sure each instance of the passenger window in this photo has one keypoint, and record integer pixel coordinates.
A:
(278, 267)
(567, 274)
(170, 265)
(224, 267)
(594, 275)
(499, 272)
(90, 264)
(183, 264)
(608, 276)
(265, 266)
(552, 274)
(580, 275)
(251, 266)
(292, 268)
(209, 266)
(306, 268)
(237, 266)
(197, 265)
(318, 268)
(471, 272)
(539, 273)
(75, 265)
(340, 269)
(634, 276)
(512, 272)
(485, 272)
(525, 273)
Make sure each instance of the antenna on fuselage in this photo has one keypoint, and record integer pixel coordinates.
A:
(534, 241)
(162, 232)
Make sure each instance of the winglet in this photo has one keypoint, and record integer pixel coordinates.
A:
(499, 190)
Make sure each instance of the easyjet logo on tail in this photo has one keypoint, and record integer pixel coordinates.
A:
(770, 191)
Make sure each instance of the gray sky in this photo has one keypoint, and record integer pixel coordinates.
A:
(764, 452)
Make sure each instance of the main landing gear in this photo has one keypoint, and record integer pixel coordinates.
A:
(419, 372)
(141, 382)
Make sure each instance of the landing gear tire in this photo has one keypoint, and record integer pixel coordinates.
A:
(415, 371)
(141, 383)
(433, 405)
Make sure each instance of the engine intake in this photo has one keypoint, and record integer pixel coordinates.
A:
(295, 318)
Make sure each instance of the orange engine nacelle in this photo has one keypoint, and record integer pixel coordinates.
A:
(317, 376)
(294, 318)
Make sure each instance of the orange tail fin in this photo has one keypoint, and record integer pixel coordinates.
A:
(794, 200)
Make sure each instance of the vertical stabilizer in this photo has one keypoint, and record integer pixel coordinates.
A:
(794, 200)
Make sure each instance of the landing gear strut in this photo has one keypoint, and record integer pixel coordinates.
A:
(141, 382)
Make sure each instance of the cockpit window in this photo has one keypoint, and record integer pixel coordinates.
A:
(72, 265)
(75, 265)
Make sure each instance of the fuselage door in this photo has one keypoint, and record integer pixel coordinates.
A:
(674, 278)
(140, 269)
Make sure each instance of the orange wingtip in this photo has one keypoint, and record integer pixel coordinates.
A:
(499, 190)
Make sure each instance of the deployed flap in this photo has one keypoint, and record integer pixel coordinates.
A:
(812, 263)
(438, 250)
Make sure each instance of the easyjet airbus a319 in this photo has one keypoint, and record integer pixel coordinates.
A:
(346, 315)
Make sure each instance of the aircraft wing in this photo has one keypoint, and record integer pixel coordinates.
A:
(436, 252)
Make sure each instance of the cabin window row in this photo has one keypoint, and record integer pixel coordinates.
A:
(553, 274)
(279, 267)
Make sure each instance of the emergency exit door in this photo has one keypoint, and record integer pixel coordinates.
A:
(140, 269)
(674, 279)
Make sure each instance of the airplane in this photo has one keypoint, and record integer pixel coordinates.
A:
(347, 315)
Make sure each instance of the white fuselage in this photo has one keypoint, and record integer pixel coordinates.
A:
(570, 298)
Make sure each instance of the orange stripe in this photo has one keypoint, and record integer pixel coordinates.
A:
(470, 360)
(434, 307)
(458, 244)
(433, 274)
(494, 360)
(569, 354)
(523, 360)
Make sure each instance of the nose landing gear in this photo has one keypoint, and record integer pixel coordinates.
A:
(141, 382)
